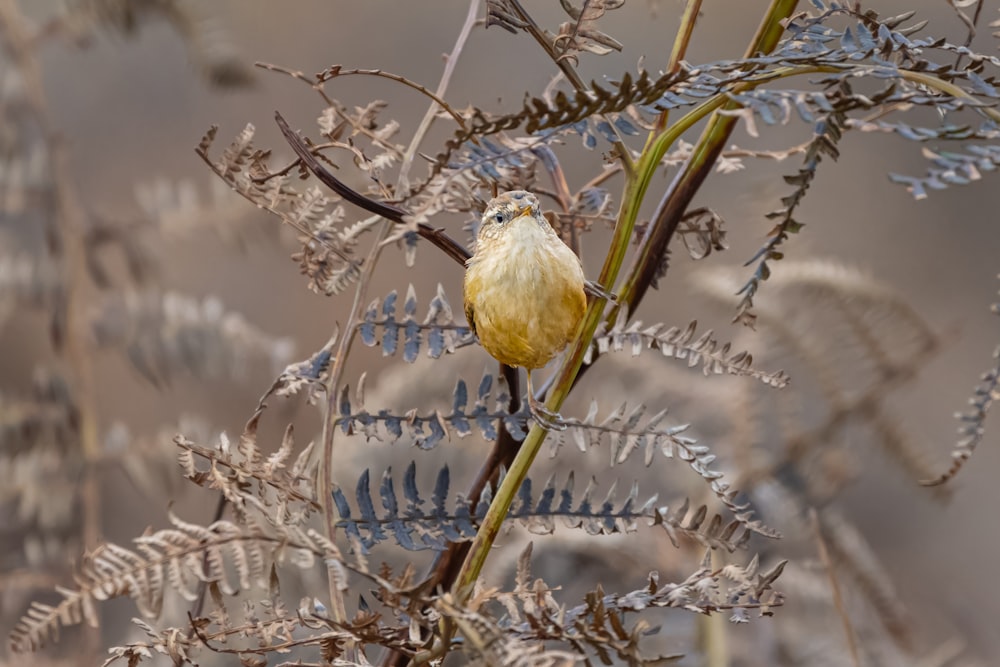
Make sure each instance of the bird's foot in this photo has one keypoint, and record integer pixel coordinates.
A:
(548, 420)
(594, 288)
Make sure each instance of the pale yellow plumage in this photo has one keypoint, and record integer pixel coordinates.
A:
(524, 287)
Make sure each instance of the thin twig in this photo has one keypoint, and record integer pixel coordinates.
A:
(393, 215)
(838, 599)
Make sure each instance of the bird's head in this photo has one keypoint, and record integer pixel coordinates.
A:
(504, 209)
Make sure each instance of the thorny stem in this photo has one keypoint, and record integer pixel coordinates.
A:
(71, 228)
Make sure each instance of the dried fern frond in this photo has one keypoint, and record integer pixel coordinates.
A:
(419, 528)
(620, 429)
(163, 334)
(460, 183)
(826, 134)
(489, 644)
(681, 344)
(581, 34)
(859, 341)
(428, 431)
(174, 559)
(602, 623)
(973, 422)
(327, 247)
(310, 374)
(280, 490)
(624, 435)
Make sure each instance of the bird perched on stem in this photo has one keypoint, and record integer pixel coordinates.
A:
(524, 288)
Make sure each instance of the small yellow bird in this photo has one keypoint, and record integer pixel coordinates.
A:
(524, 288)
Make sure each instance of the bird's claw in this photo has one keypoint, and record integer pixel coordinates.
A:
(545, 418)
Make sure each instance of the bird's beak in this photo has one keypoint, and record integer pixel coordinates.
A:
(524, 211)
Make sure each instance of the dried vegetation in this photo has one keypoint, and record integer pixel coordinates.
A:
(306, 560)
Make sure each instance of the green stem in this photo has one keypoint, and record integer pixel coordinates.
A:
(637, 183)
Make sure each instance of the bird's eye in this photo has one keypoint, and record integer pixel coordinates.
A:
(499, 218)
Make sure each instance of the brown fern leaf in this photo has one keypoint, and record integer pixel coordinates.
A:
(327, 254)
(691, 523)
(282, 495)
(601, 623)
(179, 559)
(581, 34)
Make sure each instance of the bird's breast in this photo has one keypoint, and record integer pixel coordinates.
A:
(526, 289)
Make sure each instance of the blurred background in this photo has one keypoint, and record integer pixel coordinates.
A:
(130, 105)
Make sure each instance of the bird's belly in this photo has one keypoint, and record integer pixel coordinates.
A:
(527, 304)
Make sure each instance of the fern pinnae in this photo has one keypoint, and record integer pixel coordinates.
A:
(681, 344)
(972, 423)
(168, 559)
(443, 334)
(430, 429)
(826, 134)
(621, 430)
(421, 526)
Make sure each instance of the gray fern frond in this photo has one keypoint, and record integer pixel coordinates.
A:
(973, 422)
(163, 333)
(681, 344)
(428, 431)
(622, 431)
(173, 559)
(826, 135)
(438, 326)
(419, 526)
(309, 375)
(950, 168)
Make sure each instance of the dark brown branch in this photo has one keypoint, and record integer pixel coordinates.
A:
(450, 246)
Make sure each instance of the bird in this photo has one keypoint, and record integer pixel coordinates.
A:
(524, 290)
